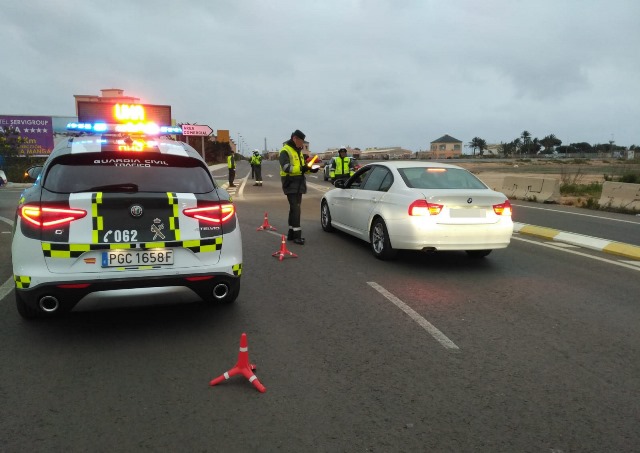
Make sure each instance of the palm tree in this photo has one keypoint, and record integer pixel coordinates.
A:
(478, 143)
(526, 141)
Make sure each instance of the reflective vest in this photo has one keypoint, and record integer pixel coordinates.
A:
(231, 162)
(342, 167)
(256, 160)
(295, 160)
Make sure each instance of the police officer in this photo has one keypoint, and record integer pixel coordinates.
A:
(231, 165)
(256, 166)
(294, 184)
(342, 167)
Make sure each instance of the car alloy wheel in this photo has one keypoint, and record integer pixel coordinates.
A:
(325, 217)
(380, 243)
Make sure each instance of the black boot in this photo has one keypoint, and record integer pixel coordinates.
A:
(290, 235)
(297, 238)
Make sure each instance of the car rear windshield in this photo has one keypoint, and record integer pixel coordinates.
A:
(139, 172)
(440, 178)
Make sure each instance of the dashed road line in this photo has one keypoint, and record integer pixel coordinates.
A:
(426, 325)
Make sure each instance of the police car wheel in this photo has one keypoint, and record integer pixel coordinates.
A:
(24, 309)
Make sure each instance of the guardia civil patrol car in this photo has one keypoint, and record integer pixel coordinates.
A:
(122, 210)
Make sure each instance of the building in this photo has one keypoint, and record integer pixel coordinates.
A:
(446, 147)
(109, 95)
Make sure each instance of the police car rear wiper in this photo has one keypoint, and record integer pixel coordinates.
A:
(126, 187)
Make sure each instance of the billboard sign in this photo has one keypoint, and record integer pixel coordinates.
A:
(92, 112)
(37, 131)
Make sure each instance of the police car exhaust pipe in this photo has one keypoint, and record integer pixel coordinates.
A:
(220, 291)
(49, 304)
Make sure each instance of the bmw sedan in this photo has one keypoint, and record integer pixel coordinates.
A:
(402, 205)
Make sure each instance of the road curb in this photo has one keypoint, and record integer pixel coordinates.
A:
(589, 242)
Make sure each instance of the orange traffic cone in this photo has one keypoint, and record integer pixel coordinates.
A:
(242, 367)
(265, 225)
(283, 250)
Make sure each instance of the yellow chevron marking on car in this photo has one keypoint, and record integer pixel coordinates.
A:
(237, 269)
(55, 250)
(97, 220)
(174, 220)
(22, 281)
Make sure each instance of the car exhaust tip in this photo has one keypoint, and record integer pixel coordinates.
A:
(220, 291)
(49, 304)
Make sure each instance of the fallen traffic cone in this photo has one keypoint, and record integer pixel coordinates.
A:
(265, 225)
(283, 250)
(242, 367)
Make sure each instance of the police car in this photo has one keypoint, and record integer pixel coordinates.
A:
(123, 209)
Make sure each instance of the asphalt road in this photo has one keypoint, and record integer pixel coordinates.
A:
(533, 349)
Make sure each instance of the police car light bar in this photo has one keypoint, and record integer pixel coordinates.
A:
(144, 128)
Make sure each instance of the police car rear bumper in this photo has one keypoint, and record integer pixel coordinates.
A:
(63, 296)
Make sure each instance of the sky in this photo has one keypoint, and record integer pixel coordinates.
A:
(356, 73)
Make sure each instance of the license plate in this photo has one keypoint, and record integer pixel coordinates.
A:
(124, 258)
(468, 213)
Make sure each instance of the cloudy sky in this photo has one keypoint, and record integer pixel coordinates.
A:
(361, 73)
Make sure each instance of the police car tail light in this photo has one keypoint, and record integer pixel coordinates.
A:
(424, 208)
(503, 208)
(216, 214)
(50, 216)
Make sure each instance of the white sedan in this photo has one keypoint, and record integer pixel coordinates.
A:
(418, 206)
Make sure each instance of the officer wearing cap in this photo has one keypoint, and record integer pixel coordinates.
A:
(256, 167)
(294, 184)
(342, 167)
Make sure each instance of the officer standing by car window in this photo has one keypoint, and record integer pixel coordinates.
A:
(231, 165)
(294, 184)
(256, 165)
(342, 167)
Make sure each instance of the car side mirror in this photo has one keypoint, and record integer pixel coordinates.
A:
(339, 183)
(33, 172)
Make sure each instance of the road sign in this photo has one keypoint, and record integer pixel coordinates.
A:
(196, 129)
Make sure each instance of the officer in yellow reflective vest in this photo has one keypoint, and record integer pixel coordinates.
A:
(231, 165)
(256, 166)
(294, 184)
(342, 166)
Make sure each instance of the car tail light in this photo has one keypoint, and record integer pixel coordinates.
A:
(423, 207)
(503, 208)
(216, 214)
(49, 216)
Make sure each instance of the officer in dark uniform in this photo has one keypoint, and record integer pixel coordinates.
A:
(294, 184)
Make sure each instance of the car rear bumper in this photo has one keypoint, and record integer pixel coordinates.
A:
(67, 294)
(404, 235)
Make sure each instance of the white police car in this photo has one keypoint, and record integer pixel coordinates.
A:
(121, 211)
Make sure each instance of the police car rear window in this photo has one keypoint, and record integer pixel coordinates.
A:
(135, 172)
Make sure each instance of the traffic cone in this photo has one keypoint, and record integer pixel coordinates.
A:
(242, 367)
(265, 225)
(283, 250)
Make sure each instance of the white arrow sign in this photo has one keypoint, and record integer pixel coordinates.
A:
(194, 129)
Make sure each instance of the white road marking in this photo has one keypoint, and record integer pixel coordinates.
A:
(6, 288)
(555, 246)
(426, 325)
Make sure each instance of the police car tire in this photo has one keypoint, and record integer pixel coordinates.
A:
(25, 310)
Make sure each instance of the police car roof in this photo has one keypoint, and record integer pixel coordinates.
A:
(119, 143)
